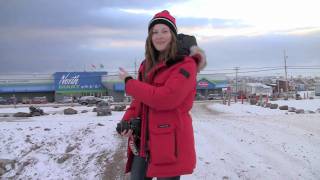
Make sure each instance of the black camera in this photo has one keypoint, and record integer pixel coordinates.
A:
(134, 124)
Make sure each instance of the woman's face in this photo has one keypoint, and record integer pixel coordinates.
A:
(161, 37)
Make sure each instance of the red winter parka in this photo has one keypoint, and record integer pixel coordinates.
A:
(163, 99)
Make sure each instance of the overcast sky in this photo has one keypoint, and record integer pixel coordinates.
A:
(45, 36)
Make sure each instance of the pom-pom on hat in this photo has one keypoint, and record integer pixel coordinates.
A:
(164, 17)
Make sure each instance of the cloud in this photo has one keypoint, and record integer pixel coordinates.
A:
(49, 36)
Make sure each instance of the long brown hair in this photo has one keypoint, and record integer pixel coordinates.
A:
(152, 56)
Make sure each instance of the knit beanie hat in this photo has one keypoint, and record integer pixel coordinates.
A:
(164, 17)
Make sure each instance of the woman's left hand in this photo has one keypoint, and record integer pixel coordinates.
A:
(123, 73)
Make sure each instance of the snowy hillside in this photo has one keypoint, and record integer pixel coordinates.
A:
(240, 141)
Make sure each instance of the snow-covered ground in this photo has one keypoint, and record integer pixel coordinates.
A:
(240, 141)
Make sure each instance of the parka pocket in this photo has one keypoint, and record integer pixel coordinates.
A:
(163, 144)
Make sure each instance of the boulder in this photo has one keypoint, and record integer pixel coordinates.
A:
(291, 109)
(70, 111)
(284, 107)
(21, 114)
(119, 108)
(103, 111)
(300, 111)
(273, 106)
(84, 111)
(103, 104)
(310, 112)
(6, 165)
(253, 101)
(35, 111)
(94, 110)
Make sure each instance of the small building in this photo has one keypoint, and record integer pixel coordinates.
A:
(258, 89)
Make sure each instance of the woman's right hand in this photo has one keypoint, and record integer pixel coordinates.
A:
(126, 133)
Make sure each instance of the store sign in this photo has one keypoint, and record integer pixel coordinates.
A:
(203, 84)
(75, 81)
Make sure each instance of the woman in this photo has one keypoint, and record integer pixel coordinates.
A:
(162, 98)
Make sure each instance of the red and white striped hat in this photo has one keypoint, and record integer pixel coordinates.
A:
(164, 17)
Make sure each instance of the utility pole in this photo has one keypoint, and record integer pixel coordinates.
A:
(285, 57)
(235, 99)
(135, 68)
(236, 68)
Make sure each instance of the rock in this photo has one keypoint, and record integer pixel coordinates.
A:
(2, 171)
(119, 108)
(84, 111)
(310, 112)
(318, 110)
(300, 111)
(4, 115)
(36, 114)
(311, 98)
(6, 165)
(35, 111)
(267, 105)
(103, 111)
(103, 104)
(284, 107)
(253, 101)
(70, 111)
(298, 98)
(22, 114)
(70, 148)
(291, 109)
(94, 110)
(273, 106)
(99, 124)
(64, 158)
(285, 98)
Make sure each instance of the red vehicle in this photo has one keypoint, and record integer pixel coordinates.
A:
(39, 100)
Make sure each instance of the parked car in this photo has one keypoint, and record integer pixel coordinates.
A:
(127, 99)
(12, 100)
(108, 99)
(39, 100)
(85, 100)
(199, 97)
(66, 99)
(26, 100)
(3, 101)
(214, 96)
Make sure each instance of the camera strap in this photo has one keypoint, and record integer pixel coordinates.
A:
(133, 147)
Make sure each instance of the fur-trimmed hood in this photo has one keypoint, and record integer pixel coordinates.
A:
(199, 55)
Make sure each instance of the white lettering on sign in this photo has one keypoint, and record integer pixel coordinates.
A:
(203, 84)
(66, 80)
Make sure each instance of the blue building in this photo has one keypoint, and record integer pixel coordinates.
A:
(76, 84)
